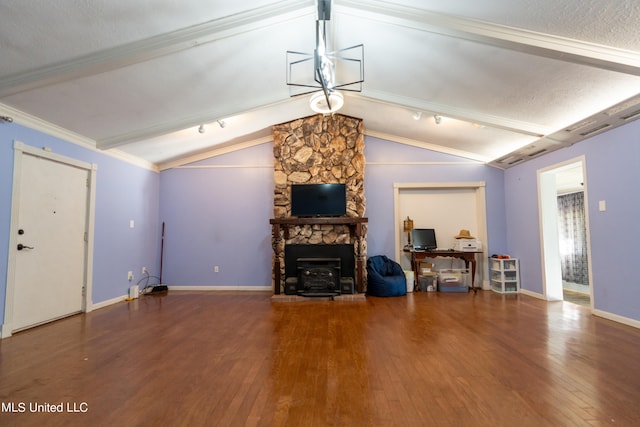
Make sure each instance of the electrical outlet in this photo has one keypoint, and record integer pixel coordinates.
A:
(144, 270)
(216, 269)
(130, 275)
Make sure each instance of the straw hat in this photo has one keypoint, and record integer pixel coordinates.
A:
(464, 234)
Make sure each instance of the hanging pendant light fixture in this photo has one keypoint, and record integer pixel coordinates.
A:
(324, 103)
(328, 68)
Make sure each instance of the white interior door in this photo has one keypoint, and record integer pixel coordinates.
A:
(50, 261)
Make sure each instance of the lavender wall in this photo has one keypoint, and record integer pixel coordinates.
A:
(123, 192)
(379, 180)
(613, 175)
(217, 211)
(219, 214)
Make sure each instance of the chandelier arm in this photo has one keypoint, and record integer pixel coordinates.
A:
(324, 87)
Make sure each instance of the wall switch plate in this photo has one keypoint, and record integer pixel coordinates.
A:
(144, 270)
(602, 205)
(130, 275)
(216, 269)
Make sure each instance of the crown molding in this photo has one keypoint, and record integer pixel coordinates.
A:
(154, 47)
(428, 146)
(465, 115)
(33, 122)
(39, 125)
(178, 163)
(517, 39)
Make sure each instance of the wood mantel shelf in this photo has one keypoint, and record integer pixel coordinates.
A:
(356, 231)
(354, 223)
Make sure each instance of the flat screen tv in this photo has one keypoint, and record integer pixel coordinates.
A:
(424, 238)
(318, 200)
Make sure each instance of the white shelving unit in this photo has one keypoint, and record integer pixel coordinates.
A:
(505, 275)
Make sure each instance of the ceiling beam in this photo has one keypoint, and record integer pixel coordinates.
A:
(470, 116)
(179, 124)
(517, 39)
(154, 47)
(475, 157)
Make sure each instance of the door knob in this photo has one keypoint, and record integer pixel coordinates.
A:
(21, 247)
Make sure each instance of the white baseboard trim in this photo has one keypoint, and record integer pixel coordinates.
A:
(122, 298)
(616, 318)
(604, 314)
(532, 294)
(107, 303)
(6, 331)
(220, 288)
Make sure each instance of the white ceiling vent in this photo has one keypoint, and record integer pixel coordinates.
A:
(574, 127)
(537, 153)
(611, 118)
(631, 116)
(595, 130)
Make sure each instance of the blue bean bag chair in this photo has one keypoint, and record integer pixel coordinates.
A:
(385, 277)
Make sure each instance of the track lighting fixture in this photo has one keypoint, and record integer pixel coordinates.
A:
(437, 119)
(222, 123)
(6, 119)
(417, 115)
(201, 129)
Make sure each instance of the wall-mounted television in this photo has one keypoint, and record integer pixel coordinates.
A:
(318, 200)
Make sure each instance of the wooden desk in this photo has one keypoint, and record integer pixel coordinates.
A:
(467, 257)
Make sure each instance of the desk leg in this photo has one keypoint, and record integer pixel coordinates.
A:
(473, 271)
(414, 265)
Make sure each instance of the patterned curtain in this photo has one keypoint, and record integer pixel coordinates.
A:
(573, 242)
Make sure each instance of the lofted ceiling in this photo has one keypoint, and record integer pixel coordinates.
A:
(511, 79)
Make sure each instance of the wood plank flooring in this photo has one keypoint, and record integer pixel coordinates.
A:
(239, 359)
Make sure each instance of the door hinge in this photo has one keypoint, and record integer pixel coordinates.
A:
(86, 237)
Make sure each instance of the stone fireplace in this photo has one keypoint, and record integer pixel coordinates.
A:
(312, 150)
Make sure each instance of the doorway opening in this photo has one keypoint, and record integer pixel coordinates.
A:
(447, 207)
(564, 224)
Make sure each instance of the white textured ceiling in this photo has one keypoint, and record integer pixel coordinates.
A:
(511, 78)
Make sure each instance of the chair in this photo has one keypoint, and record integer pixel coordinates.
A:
(385, 277)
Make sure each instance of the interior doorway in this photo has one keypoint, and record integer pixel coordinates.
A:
(563, 187)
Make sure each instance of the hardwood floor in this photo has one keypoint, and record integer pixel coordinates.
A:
(576, 297)
(239, 359)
